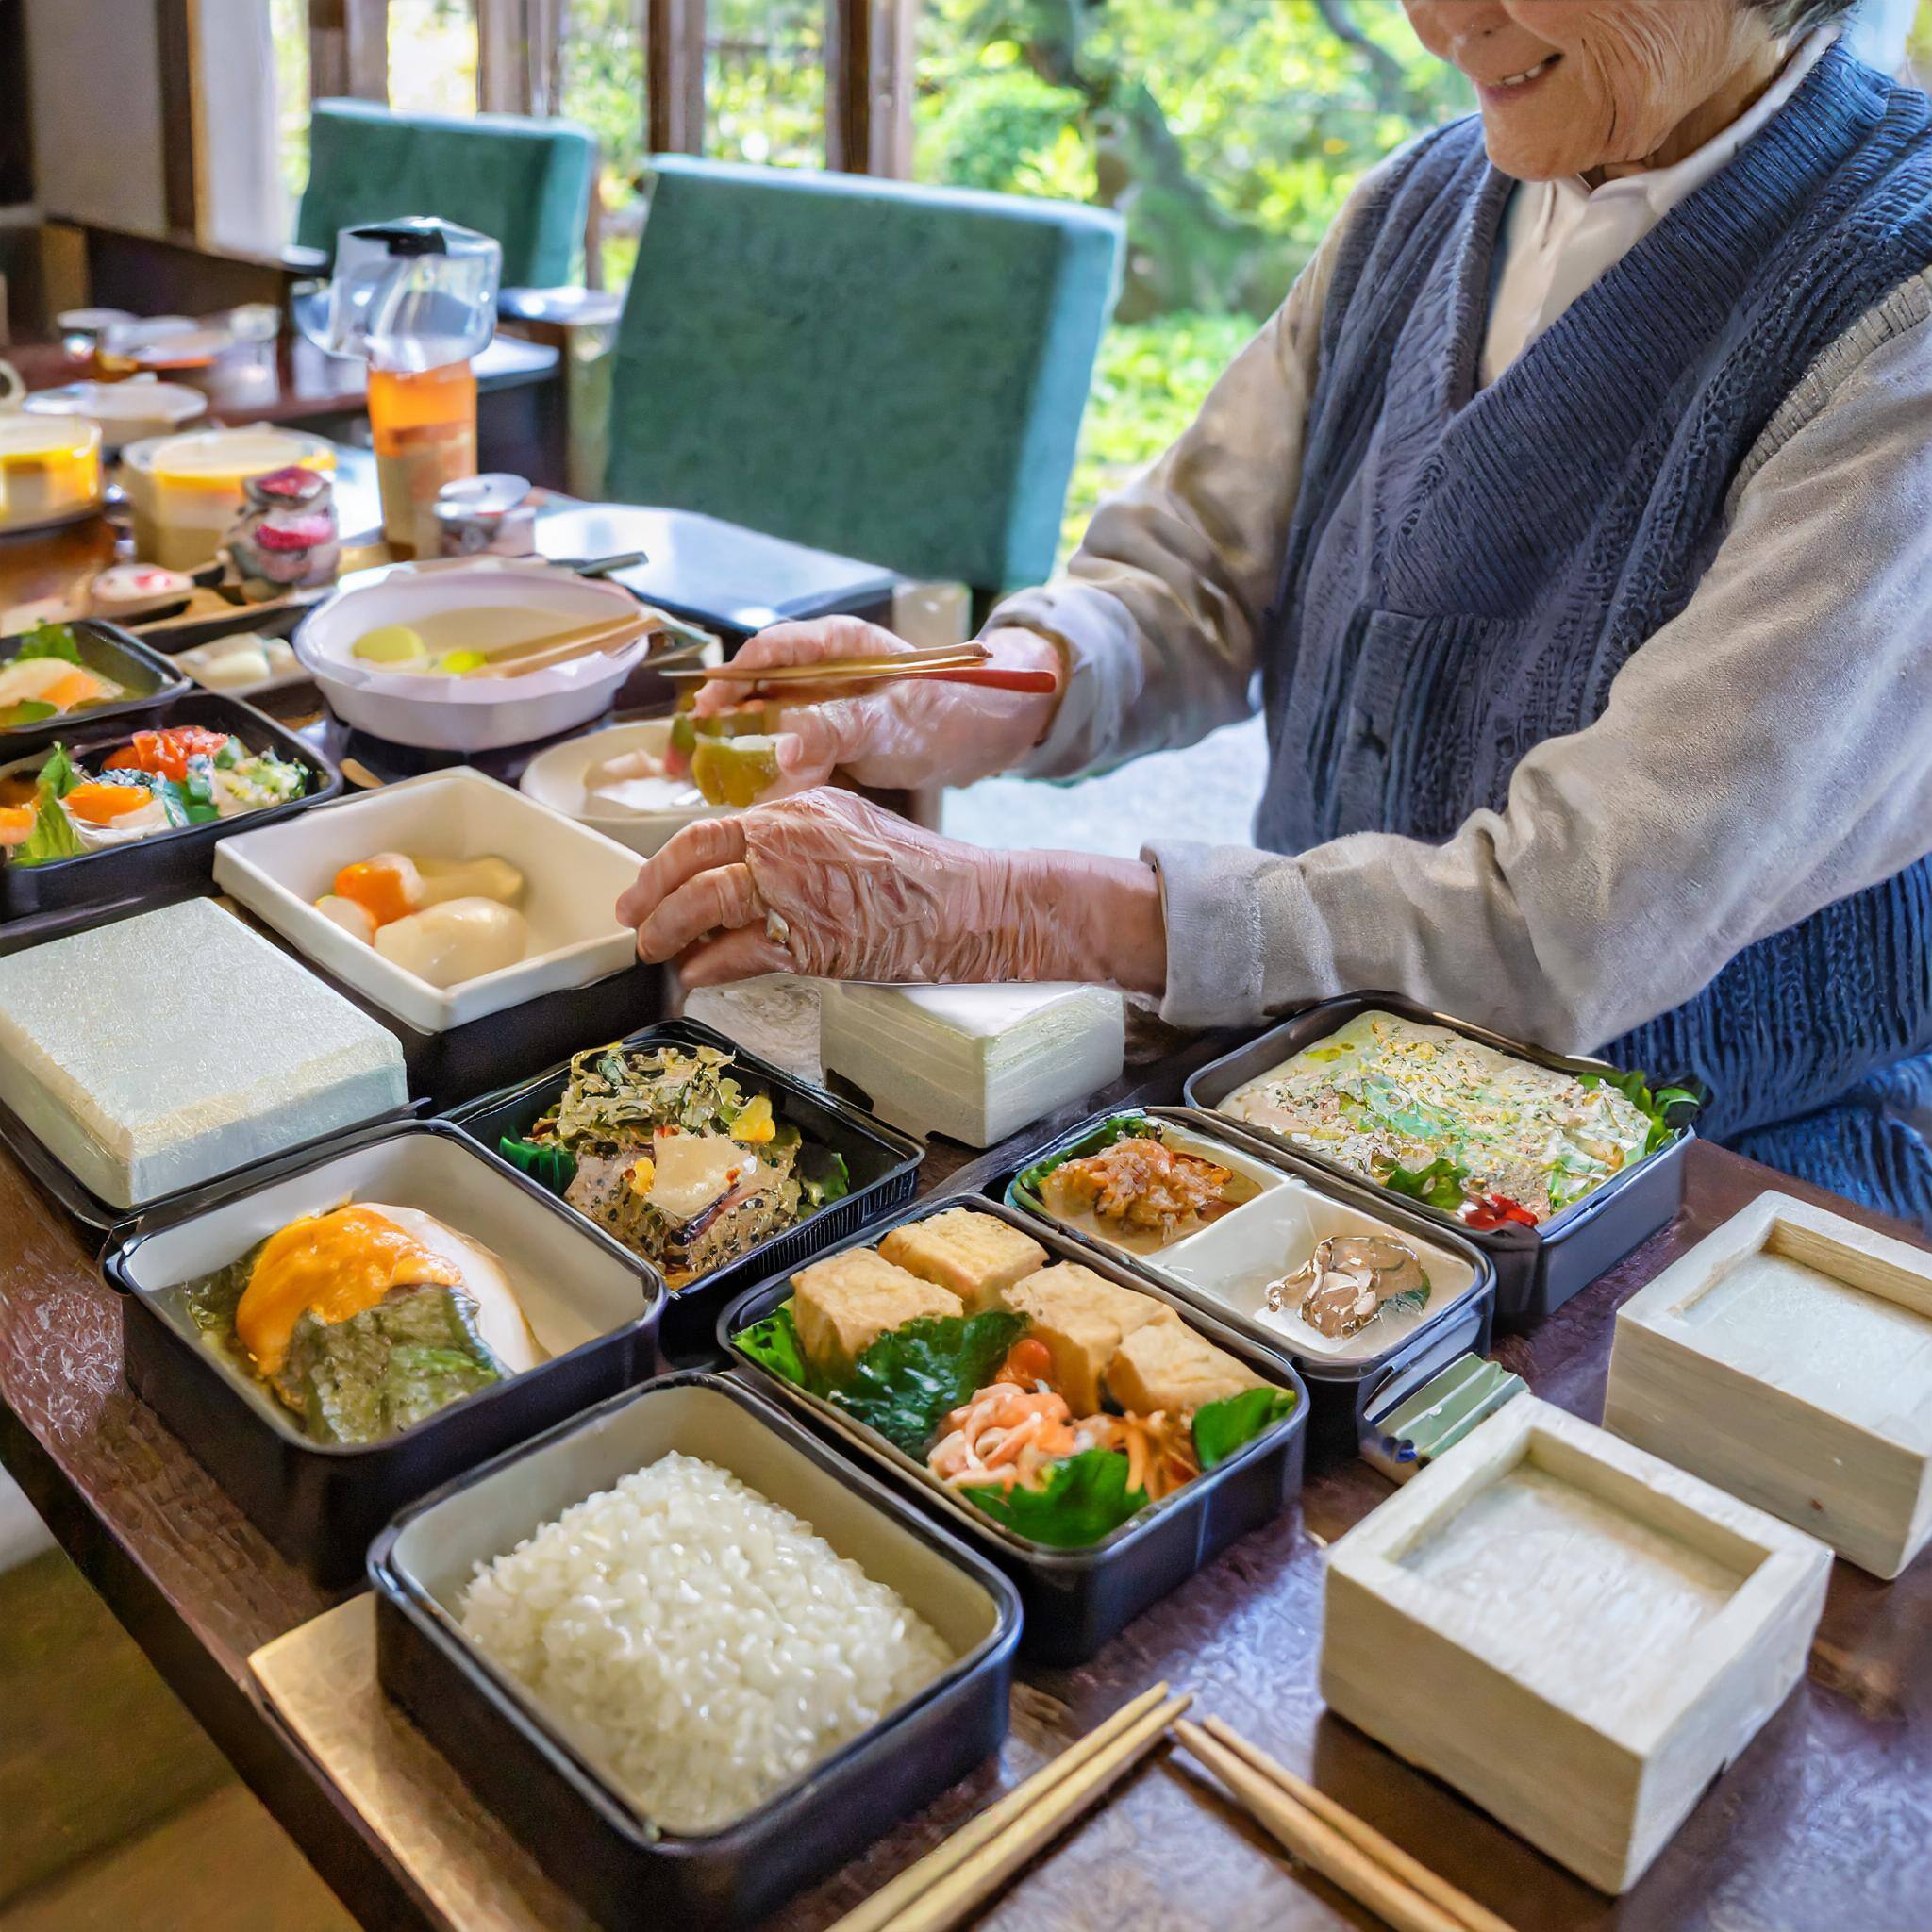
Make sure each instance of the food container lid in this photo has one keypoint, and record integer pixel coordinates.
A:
(112, 403)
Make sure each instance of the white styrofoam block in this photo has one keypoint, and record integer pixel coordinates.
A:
(973, 1062)
(573, 878)
(1571, 1632)
(156, 1052)
(1788, 1357)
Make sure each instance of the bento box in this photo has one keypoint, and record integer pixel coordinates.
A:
(1087, 1557)
(130, 863)
(243, 1056)
(1542, 1256)
(880, 1169)
(1573, 1633)
(1241, 1256)
(588, 1306)
(90, 671)
(577, 974)
(566, 1798)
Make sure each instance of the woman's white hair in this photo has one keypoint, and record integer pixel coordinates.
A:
(1802, 16)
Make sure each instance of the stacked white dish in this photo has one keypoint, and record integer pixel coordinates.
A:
(973, 1062)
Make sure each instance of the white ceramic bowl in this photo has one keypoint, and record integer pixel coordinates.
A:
(556, 778)
(467, 713)
(573, 878)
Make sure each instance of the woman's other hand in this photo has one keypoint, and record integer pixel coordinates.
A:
(896, 736)
(828, 884)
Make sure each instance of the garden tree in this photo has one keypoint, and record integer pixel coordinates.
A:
(1225, 131)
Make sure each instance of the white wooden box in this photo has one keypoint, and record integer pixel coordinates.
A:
(1576, 1635)
(1788, 1357)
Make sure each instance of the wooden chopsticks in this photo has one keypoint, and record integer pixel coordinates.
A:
(948, 1884)
(1333, 1840)
(559, 647)
(948, 664)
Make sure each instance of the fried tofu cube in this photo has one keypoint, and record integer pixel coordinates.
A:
(843, 1304)
(1168, 1366)
(1082, 1318)
(978, 1255)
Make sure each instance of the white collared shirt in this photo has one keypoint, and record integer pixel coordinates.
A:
(1559, 236)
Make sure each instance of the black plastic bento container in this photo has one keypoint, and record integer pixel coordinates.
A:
(169, 865)
(1538, 1269)
(585, 1834)
(147, 677)
(1341, 1393)
(1076, 1599)
(883, 1163)
(320, 1504)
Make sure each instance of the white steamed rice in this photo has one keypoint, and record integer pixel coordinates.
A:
(703, 1644)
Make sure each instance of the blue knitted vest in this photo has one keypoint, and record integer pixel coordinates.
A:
(1466, 572)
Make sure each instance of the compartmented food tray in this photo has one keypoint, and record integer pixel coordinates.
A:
(1225, 1265)
(882, 1163)
(1075, 1598)
(1538, 1267)
(169, 864)
(592, 1308)
(553, 1794)
(146, 679)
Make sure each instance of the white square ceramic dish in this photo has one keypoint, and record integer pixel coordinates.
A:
(573, 878)
(155, 1053)
(1788, 1357)
(1573, 1633)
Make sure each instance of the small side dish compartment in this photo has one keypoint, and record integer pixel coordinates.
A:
(83, 673)
(1110, 1511)
(876, 1166)
(314, 1488)
(1587, 1635)
(1353, 1289)
(1605, 1177)
(559, 1791)
(1788, 1357)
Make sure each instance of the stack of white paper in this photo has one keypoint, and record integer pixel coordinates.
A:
(973, 1062)
(157, 1051)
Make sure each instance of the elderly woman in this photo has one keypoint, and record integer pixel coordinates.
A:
(1572, 524)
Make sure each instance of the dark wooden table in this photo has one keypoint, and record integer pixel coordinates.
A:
(1824, 1824)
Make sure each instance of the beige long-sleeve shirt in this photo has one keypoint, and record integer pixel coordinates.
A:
(1767, 752)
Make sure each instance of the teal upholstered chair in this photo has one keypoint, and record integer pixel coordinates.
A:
(890, 371)
(526, 183)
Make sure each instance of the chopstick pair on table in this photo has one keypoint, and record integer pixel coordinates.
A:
(950, 1883)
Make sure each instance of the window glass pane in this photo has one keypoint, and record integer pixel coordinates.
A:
(765, 81)
(1228, 132)
(601, 85)
(287, 22)
(432, 57)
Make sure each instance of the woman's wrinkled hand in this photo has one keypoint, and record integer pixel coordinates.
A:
(897, 735)
(828, 884)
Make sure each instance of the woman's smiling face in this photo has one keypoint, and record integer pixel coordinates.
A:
(1568, 85)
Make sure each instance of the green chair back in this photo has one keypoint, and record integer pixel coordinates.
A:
(892, 372)
(525, 183)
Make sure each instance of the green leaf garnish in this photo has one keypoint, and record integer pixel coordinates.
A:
(59, 773)
(1668, 1109)
(774, 1344)
(1222, 1428)
(907, 1383)
(50, 640)
(547, 1163)
(1084, 1498)
(824, 1174)
(27, 711)
(1442, 1184)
